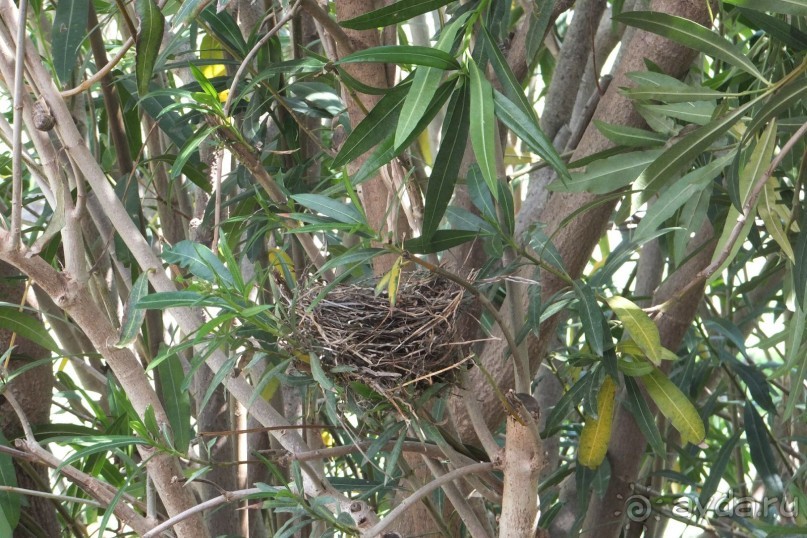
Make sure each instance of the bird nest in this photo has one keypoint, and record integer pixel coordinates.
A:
(361, 337)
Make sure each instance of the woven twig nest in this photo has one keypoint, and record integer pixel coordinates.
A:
(384, 346)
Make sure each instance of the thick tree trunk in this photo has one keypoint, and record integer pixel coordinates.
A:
(33, 390)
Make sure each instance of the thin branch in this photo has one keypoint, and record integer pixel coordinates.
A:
(252, 53)
(54, 496)
(16, 135)
(407, 503)
(225, 498)
(101, 73)
(331, 26)
(734, 236)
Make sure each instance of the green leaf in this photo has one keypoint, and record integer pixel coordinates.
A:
(447, 163)
(800, 267)
(9, 502)
(387, 149)
(609, 174)
(510, 85)
(351, 258)
(629, 136)
(639, 325)
(757, 164)
(483, 127)
(567, 402)
(768, 209)
(147, 43)
(718, 468)
(199, 260)
(680, 154)
(761, 452)
(224, 27)
(340, 211)
(69, 29)
(672, 94)
(171, 299)
(788, 34)
(674, 405)
(678, 194)
(28, 327)
(440, 241)
(133, 316)
(393, 14)
(377, 125)
(176, 401)
(636, 404)
(480, 193)
(528, 131)
(785, 7)
(692, 35)
(508, 209)
(697, 112)
(546, 250)
(590, 317)
(190, 9)
(424, 86)
(403, 54)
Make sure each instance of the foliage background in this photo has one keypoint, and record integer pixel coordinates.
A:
(617, 187)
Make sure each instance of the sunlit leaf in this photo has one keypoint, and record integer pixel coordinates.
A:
(692, 35)
(400, 11)
(483, 127)
(597, 431)
(403, 54)
(674, 405)
(448, 162)
(147, 44)
(757, 164)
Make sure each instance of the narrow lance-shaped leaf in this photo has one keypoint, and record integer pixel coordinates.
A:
(680, 154)
(529, 132)
(590, 317)
(69, 29)
(9, 502)
(447, 163)
(393, 14)
(800, 267)
(28, 327)
(330, 208)
(761, 452)
(377, 125)
(133, 316)
(785, 7)
(425, 82)
(674, 405)
(679, 194)
(768, 212)
(597, 431)
(403, 54)
(718, 467)
(636, 404)
(177, 401)
(692, 35)
(147, 43)
(608, 174)
(483, 127)
(629, 136)
(757, 164)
